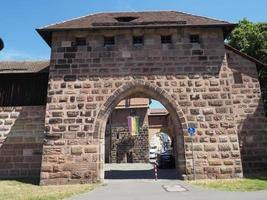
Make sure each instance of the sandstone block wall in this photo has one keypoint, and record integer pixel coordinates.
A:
(85, 80)
(21, 142)
(249, 114)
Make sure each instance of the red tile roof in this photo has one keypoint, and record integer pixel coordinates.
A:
(134, 19)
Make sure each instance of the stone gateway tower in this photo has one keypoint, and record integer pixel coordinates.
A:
(176, 58)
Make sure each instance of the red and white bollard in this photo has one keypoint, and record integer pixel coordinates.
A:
(156, 171)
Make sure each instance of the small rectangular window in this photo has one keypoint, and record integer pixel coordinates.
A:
(238, 78)
(194, 39)
(166, 39)
(80, 41)
(138, 40)
(197, 52)
(108, 41)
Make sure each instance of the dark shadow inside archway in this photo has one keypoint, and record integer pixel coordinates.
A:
(129, 156)
(176, 125)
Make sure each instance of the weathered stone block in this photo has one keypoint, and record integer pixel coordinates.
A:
(55, 121)
(90, 149)
(198, 147)
(226, 170)
(3, 115)
(210, 96)
(195, 111)
(208, 111)
(74, 127)
(224, 147)
(228, 162)
(216, 162)
(76, 175)
(216, 103)
(210, 147)
(76, 150)
(72, 113)
(223, 139)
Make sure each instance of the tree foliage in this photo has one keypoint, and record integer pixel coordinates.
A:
(251, 38)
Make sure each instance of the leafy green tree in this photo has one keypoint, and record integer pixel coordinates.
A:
(251, 38)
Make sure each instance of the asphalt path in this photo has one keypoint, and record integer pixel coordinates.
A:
(119, 186)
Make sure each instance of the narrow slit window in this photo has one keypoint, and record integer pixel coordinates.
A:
(166, 39)
(194, 39)
(109, 41)
(80, 41)
(238, 78)
(138, 40)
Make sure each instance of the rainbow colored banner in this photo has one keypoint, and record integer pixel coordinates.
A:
(133, 125)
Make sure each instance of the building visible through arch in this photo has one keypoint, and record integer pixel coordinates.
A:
(98, 60)
(137, 88)
(124, 145)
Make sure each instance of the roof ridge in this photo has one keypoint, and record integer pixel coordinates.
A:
(202, 16)
(64, 21)
(118, 12)
(24, 61)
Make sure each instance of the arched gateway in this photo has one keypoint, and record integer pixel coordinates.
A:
(176, 58)
(140, 88)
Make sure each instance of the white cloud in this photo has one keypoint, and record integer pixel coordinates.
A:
(13, 54)
(123, 5)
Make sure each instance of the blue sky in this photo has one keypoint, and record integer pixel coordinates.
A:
(19, 18)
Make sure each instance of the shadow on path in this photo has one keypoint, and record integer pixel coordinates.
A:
(138, 171)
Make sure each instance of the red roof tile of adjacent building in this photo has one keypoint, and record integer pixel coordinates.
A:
(7, 67)
(157, 111)
(252, 59)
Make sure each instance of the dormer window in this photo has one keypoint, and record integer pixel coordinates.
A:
(194, 38)
(138, 40)
(109, 41)
(125, 18)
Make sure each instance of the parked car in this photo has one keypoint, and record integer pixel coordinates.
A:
(166, 160)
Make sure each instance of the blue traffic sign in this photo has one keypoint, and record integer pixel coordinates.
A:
(191, 131)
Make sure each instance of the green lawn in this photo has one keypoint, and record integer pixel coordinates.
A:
(16, 190)
(246, 184)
